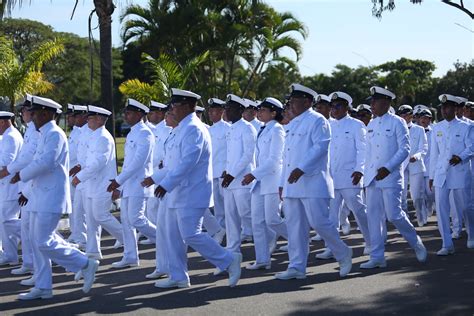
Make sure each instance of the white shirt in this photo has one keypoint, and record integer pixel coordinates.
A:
(218, 133)
(10, 146)
(418, 149)
(83, 141)
(161, 133)
(347, 151)
(256, 124)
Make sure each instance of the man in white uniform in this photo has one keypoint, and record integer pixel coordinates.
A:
(387, 147)
(451, 150)
(100, 166)
(241, 139)
(414, 167)
(306, 186)
(10, 147)
(137, 166)
(50, 187)
(250, 114)
(188, 182)
(347, 153)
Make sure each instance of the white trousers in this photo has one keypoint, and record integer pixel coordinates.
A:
(352, 197)
(210, 223)
(301, 214)
(456, 214)
(98, 215)
(446, 199)
(267, 224)
(237, 216)
(417, 190)
(429, 197)
(132, 215)
(184, 228)
(78, 215)
(50, 246)
(386, 201)
(218, 195)
(152, 205)
(26, 240)
(10, 229)
(161, 252)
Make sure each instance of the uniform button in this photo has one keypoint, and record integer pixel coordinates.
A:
(288, 165)
(378, 146)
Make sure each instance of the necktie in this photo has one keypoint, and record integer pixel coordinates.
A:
(261, 130)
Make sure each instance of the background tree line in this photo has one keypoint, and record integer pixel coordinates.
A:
(214, 48)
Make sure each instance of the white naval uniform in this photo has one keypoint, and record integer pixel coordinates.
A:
(78, 203)
(241, 139)
(267, 224)
(188, 183)
(218, 133)
(137, 166)
(49, 172)
(414, 172)
(448, 139)
(306, 202)
(30, 142)
(387, 146)
(429, 194)
(347, 155)
(160, 131)
(73, 142)
(10, 147)
(257, 124)
(95, 174)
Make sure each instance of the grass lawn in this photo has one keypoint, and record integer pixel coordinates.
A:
(119, 143)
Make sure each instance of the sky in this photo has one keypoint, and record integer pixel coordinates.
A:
(340, 31)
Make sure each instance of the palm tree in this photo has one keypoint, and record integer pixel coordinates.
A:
(18, 78)
(166, 74)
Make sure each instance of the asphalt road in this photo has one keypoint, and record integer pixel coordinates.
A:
(441, 286)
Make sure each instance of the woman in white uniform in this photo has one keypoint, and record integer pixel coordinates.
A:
(267, 224)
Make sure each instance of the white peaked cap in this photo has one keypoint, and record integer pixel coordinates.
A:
(199, 108)
(98, 110)
(382, 91)
(239, 100)
(251, 103)
(362, 107)
(154, 104)
(273, 102)
(322, 97)
(82, 108)
(6, 115)
(341, 95)
(184, 93)
(391, 110)
(301, 88)
(449, 98)
(134, 103)
(45, 102)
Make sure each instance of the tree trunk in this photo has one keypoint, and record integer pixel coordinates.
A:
(104, 10)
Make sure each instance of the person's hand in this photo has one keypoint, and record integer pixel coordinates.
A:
(430, 184)
(147, 182)
(115, 195)
(227, 180)
(413, 159)
(4, 172)
(160, 192)
(22, 200)
(75, 181)
(295, 175)
(382, 173)
(356, 176)
(248, 178)
(455, 160)
(113, 186)
(16, 178)
(74, 170)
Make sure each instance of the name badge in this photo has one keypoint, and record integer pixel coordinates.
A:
(370, 131)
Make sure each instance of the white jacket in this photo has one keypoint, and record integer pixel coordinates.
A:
(218, 133)
(307, 148)
(347, 151)
(100, 166)
(10, 147)
(241, 139)
(448, 139)
(137, 163)
(49, 171)
(418, 149)
(388, 146)
(270, 143)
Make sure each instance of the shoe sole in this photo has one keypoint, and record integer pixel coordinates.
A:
(179, 286)
(43, 297)
(292, 278)
(380, 266)
(125, 266)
